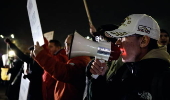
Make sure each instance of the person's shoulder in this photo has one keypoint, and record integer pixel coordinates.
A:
(62, 51)
(155, 61)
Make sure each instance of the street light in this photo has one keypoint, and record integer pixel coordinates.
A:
(12, 35)
(1, 36)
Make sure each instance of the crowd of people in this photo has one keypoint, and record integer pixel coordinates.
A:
(141, 72)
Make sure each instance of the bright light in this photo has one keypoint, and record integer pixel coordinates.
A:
(11, 53)
(12, 35)
(87, 37)
(1, 36)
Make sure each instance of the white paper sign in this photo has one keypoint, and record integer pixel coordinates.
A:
(25, 68)
(24, 88)
(5, 59)
(49, 35)
(33, 15)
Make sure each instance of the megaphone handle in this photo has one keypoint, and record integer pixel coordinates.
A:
(94, 76)
(102, 61)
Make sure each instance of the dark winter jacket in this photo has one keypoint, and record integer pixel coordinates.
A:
(147, 79)
(35, 77)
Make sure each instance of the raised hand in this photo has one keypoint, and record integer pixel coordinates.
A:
(37, 49)
(92, 29)
(7, 40)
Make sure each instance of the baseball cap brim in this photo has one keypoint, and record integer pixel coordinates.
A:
(118, 33)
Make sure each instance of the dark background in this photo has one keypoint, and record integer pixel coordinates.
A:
(65, 16)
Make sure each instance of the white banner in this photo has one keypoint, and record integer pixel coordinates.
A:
(5, 59)
(33, 15)
(24, 88)
(49, 35)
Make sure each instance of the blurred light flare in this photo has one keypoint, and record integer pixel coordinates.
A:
(11, 53)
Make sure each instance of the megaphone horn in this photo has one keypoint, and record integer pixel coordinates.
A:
(81, 46)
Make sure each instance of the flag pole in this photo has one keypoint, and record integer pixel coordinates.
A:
(87, 11)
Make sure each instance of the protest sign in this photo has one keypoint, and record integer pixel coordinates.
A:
(33, 15)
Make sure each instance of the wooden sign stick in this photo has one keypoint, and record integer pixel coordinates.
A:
(87, 11)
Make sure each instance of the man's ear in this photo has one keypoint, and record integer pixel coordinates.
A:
(144, 41)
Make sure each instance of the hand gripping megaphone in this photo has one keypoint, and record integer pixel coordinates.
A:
(101, 50)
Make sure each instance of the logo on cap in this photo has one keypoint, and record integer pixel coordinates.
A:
(144, 29)
(128, 19)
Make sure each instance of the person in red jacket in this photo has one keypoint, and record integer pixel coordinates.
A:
(48, 84)
(70, 76)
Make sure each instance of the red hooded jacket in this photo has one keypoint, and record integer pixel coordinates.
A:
(70, 76)
(48, 84)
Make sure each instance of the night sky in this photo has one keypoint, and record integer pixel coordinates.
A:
(65, 16)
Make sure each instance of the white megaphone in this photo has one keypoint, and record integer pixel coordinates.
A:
(100, 50)
(81, 46)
